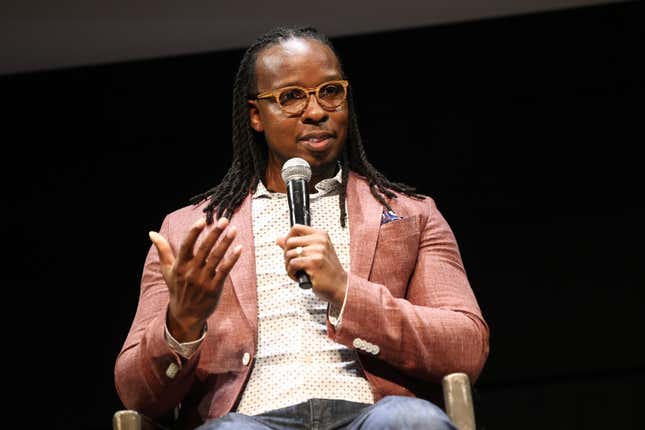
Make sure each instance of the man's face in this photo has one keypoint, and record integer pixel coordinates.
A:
(317, 135)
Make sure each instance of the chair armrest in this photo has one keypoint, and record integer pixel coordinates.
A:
(133, 420)
(458, 400)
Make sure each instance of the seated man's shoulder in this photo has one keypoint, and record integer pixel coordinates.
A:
(419, 204)
(186, 216)
(408, 206)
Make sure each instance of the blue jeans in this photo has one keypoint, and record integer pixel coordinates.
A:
(389, 413)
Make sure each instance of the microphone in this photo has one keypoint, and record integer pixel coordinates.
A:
(296, 173)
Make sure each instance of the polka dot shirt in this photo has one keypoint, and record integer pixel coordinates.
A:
(295, 360)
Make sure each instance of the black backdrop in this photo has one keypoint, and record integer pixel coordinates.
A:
(526, 130)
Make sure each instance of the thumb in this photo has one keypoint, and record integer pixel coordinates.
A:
(281, 241)
(166, 257)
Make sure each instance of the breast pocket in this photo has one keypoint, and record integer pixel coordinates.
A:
(396, 252)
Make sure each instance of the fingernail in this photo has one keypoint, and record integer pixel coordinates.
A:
(221, 223)
(238, 249)
(200, 223)
(231, 233)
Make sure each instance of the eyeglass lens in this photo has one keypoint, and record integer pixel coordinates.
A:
(329, 96)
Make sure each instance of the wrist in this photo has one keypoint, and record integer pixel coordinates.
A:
(341, 292)
(186, 329)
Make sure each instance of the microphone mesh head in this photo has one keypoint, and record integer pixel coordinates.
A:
(296, 168)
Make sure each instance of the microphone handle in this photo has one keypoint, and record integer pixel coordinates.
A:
(303, 280)
(298, 197)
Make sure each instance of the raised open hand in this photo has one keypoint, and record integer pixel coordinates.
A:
(195, 280)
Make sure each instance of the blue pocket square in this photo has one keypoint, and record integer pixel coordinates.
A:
(389, 216)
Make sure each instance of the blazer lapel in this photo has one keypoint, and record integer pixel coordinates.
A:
(243, 274)
(364, 213)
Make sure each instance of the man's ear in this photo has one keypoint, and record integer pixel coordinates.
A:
(254, 117)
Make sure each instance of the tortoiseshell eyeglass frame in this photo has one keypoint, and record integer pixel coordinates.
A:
(275, 96)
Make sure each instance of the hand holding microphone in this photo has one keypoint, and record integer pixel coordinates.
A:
(310, 257)
(296, 174)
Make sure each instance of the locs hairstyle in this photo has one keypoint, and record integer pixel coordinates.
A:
(250, 150)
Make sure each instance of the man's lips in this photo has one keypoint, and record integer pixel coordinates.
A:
(316, 137)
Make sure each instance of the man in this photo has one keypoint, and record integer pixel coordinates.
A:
(222, 329)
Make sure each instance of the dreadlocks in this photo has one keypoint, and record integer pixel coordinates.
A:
(250, 150)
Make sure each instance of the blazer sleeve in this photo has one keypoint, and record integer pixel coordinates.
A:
(149, 376)
(437, 328)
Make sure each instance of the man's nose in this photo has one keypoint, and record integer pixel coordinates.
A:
(313, 111)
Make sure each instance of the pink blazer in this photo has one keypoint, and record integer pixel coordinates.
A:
(410, 313)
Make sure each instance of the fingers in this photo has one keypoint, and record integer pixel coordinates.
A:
(303, 257)
(290, 263)
(294, 242)
(281, 241)
(207, 244)
(220, 249)
(226, 265)
(304, 263)
(303, 250)
(166, 257)
(300, 229)
(295, 231)
(186, 249)
(300, 242)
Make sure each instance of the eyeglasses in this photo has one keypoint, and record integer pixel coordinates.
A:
(293, 100)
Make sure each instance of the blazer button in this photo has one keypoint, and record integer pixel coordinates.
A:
(172, 370)
(246, 358)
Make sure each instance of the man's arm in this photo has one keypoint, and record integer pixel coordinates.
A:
(437, 328)
(149, 375)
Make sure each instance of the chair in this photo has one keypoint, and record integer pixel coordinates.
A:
(456, 394)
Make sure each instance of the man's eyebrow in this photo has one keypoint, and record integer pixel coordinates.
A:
(333, 77)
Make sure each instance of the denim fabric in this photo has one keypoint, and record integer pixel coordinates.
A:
(390, 413)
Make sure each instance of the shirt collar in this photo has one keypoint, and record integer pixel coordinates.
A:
(324, 187)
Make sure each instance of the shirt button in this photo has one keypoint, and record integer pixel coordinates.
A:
(358, 343)
(246, 358)
(172, 370)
